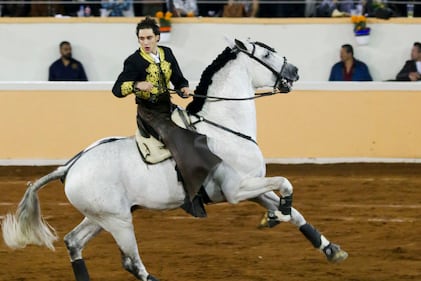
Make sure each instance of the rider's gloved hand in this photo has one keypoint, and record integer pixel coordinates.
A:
(184, 92)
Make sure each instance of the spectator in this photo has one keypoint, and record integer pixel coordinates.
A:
(66, 68)
(183, 8)
(118, 8)
(211, 9)
(334, 8)
(241, 8)
(411, 71)
(349, 68)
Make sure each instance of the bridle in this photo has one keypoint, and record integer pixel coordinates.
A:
(280, 80)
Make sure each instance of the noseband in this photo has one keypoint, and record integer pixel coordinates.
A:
(280, 78)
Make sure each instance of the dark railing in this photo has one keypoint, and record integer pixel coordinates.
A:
(267, 8)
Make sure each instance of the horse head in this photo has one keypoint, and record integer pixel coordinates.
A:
(284, 73)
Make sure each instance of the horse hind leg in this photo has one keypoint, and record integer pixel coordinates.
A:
(123, 233)
(75, 242)
(332, 251)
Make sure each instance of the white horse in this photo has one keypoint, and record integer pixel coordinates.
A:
(109, 179)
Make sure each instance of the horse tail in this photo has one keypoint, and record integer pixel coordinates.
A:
(27, 226)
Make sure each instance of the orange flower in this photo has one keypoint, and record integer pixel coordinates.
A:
(159, 15)
(168, 15)
(360, 22)
(354, 18)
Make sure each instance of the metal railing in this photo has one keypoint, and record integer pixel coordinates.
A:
(54, 7)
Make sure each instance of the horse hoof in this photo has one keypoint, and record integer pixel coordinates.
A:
(273, 218)
(334, 253)
(151, 278)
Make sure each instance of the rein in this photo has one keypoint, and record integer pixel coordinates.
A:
(256, 96)
(203, 119)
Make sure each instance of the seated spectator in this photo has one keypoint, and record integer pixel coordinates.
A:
(349, 68)
(411, 71)
(334, 8)
(212, 8)
(66, 68)
(183, 8)
(118, 8)
(241, 8)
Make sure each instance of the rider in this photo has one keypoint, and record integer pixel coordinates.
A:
(147, 74)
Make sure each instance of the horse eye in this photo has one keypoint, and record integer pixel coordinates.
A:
(266, 55)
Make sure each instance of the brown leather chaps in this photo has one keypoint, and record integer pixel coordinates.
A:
(189, 149)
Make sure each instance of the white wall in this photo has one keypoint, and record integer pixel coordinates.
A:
(27, 49)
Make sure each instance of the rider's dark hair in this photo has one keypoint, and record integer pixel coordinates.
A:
(348, 48)
(147, 23)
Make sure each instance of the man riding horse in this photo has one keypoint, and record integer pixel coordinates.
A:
(147, 74)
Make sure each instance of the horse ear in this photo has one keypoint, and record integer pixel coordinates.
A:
(240, 45)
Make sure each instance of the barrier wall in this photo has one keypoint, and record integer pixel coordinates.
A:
(316, 120)
(30, 45)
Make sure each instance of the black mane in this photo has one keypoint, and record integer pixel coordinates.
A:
(206, 79)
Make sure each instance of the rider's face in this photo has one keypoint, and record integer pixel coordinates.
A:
(148, 40)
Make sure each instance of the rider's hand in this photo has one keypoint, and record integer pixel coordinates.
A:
(414, 76)
(185, 91)
(144, 86)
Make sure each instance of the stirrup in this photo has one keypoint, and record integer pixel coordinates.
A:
(196, 208)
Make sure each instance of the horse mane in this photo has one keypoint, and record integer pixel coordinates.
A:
(206, 79)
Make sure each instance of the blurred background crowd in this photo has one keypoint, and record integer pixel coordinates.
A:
(211, 8)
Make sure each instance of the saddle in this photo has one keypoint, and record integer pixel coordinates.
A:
(153, 150)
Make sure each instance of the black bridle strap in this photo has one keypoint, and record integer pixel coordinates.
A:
(256, 96)
(202, 119)
(277, 74)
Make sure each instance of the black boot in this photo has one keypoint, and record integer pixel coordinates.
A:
(195, 207)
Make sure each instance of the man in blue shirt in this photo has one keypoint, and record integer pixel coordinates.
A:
(349, 68)
(66, 68)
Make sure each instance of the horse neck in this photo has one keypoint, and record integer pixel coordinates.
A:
(233, 81)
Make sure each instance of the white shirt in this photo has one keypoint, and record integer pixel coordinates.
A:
(155, 57)
(418, 63)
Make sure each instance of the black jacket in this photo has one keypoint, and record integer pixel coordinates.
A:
(141, 67)
(410, 66)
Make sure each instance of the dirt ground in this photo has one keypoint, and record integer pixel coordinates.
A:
(371, 210)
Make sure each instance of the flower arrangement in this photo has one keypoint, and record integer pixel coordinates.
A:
(164, 21)
(360, 25)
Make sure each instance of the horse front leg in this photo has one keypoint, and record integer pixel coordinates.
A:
(237, 188)
(270, 201)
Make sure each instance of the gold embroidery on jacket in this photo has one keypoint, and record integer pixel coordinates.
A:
(153, 74)
(127, 88)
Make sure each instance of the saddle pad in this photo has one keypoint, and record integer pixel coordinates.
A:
(153, 150)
